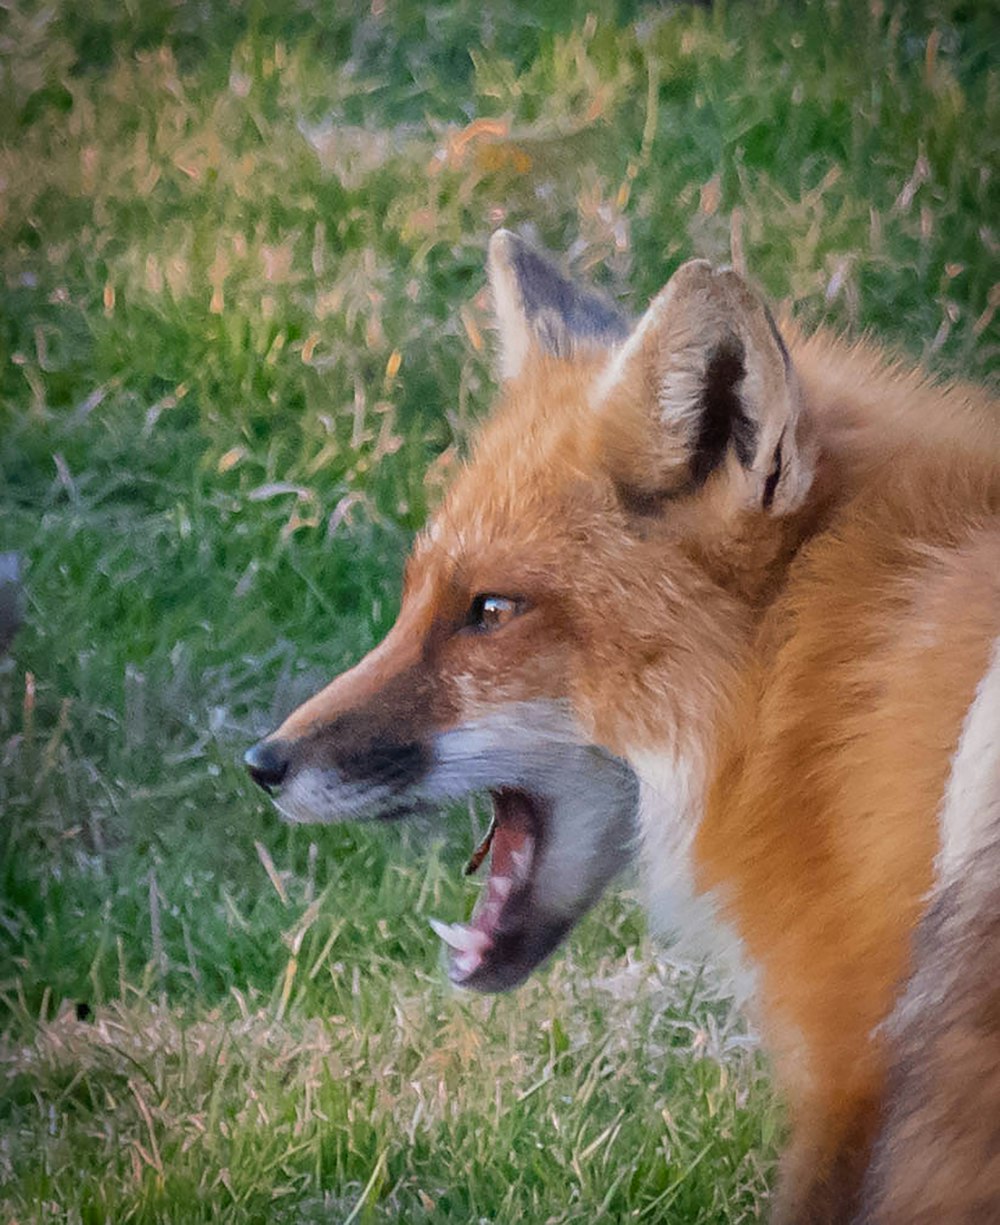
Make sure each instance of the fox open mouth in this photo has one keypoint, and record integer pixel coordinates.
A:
(564, 823)
(507, 936)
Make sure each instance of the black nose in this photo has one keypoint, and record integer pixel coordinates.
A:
(267, 762)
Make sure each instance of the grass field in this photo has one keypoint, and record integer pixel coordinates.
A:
(243, 336)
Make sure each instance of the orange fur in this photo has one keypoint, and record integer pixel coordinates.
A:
(822, 823)
(805, 627)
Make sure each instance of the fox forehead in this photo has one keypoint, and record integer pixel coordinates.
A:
(533, 478)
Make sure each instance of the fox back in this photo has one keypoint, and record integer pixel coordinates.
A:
(728, 597)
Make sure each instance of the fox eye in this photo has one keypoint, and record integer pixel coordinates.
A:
(491, 612)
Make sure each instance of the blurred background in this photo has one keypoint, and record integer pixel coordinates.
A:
(243, 339)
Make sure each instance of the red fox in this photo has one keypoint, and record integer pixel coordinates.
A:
(729, 595)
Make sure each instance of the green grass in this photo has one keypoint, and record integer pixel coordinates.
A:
(241, 338)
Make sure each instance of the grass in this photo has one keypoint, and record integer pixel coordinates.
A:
(242, 337)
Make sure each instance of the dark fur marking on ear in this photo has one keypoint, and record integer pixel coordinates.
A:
(559, 311)
(722, 419)
(774, 476)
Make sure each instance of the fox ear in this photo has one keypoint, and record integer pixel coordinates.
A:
(538, 310)
(704, 385)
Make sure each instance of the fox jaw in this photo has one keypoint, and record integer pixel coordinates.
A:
(578, 608)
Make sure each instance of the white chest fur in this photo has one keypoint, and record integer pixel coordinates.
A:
(671, 806)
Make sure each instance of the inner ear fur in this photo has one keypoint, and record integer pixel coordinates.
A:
(703, 390)
(541, 311)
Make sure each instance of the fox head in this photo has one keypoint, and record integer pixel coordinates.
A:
(577, 605)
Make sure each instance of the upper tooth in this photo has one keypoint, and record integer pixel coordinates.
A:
(458, 936)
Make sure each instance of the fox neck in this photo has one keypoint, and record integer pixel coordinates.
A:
(674, 768)
(677, 768)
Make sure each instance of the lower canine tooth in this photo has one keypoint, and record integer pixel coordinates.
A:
(461, 938)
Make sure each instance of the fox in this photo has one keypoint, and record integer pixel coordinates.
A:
(723, 597)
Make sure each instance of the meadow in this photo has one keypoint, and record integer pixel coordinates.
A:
(244, 337)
